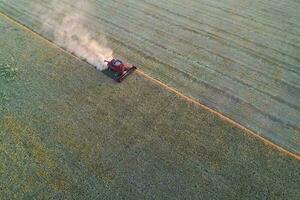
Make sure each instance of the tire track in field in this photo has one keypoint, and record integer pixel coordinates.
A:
(185, 41)
(211, 28)
(224, 40)
(263, 11)
(242, 64)
(231, 18)
(198, 22)
(245, 15)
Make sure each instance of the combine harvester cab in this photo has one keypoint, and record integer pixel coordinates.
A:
(117, 70)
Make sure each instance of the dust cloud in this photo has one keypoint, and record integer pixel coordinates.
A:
(65, 23)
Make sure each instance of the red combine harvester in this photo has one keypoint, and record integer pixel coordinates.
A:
(118, 70)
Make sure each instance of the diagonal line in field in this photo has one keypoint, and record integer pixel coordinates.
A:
(174, 91)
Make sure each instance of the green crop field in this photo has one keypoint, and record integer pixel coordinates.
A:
(238, 57)
(68, 131)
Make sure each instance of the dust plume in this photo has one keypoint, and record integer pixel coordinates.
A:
(64, 22)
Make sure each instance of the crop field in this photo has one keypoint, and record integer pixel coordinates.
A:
(238, 57)
(68, 131)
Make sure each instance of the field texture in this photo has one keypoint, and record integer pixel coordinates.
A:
(238, 57)
(69, 132)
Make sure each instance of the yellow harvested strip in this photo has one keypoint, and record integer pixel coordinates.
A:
(172, 90)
